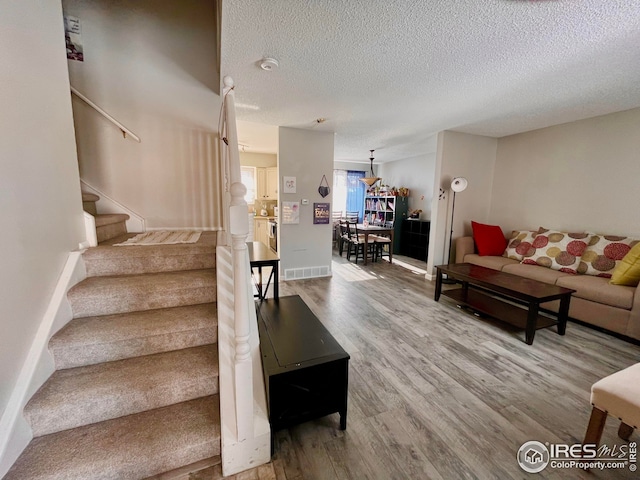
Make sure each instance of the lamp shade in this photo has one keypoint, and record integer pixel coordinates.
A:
(459, 184)
(372, 179)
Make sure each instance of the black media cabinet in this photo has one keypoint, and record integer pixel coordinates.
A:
(306, 371)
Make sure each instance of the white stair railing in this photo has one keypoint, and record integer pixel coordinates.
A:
(244, 423)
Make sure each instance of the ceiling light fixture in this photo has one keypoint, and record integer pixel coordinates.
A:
(269, 64)
(372, 179)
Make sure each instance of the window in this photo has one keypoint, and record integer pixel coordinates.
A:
(248, 177)
(348, 191)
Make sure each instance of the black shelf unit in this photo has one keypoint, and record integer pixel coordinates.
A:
(414, 239)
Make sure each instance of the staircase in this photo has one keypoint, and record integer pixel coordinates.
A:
(135, 391)
(108, 225)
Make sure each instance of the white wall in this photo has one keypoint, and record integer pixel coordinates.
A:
(582, 175)
(460, 155)
(150, 64)
(417, 174)
(40, 202)
(251, 159)
(306, 155)
(361, 167)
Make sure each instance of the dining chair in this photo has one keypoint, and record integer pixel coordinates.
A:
(382, 246)
(343, 237)
(352, 217)
(356, 243)
(335, 221)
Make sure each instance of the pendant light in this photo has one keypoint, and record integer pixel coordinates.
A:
(372, 179)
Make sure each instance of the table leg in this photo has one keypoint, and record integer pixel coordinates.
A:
(436, 295)
(366, 247)
(465, 290)
(275, 281)
(563, 314)
(391, 246)
(532, 319)
(261, 293)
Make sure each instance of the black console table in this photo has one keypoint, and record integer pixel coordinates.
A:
(262, 256)
(414, 241)
(305, 369)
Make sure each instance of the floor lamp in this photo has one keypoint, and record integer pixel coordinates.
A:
(458, 184)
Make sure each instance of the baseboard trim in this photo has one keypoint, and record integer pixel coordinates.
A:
(15, 432)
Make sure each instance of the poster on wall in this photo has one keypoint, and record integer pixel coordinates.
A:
(289, 184)
(321, 213)
(73, 38)
(290, 213)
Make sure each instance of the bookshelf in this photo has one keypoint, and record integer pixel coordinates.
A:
(415, 239)
(382, 209)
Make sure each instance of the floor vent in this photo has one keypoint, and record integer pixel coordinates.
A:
(306, 272)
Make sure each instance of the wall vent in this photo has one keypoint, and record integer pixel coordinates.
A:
(306, 272)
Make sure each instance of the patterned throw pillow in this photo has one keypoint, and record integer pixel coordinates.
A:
(604, 253)
(519, 245)
(557, 250)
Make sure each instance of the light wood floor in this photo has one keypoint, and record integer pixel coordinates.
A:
(436, 392)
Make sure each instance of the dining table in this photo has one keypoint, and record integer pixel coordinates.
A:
(368, 229)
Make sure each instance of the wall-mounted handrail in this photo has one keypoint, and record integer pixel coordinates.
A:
(125, 131)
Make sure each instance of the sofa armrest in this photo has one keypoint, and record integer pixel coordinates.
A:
(464, 246)
(633, 330)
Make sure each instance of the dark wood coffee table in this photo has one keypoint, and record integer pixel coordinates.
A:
(485, 290)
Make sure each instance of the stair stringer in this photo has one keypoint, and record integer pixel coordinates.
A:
(15, 432)
(238, 455)
(106, 204)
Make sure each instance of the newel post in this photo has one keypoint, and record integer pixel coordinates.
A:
(239, 228)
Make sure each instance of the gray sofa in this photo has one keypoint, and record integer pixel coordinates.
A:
(613, 307)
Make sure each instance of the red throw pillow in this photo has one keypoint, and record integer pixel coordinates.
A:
(489, 239)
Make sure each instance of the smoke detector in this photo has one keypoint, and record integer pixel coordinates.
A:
(268, 64)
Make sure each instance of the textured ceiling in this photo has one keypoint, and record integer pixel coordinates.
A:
(387, 75)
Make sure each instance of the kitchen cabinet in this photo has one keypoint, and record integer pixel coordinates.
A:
(261, 230)
(267, 183)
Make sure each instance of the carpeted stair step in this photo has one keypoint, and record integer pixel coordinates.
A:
(106, 259)
(91, 340)
(135, 446)
(89, 203)
(80, 396)
(130, 293)
(110, 225)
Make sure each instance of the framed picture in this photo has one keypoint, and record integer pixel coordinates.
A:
(321, 213)
(290, 213)
(289, 184)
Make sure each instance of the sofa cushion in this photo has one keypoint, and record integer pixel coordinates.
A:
(489, 239)
(604, 253)
(492, 262)
(598, 289)
(627, 272)
(557, 250)
(535, 272)
(519, 244)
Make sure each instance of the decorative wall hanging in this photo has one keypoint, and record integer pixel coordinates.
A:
(289, 184)
(290, 214)
(321, 213)
(324, 190)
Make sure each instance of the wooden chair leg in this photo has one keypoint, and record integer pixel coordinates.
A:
(596, 427)
(625, 431)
